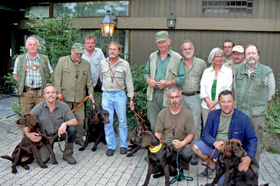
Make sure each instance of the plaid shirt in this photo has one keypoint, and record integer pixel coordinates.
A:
(193, 75)
(33, 78)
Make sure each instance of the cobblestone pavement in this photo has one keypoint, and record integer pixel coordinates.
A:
(95, 168)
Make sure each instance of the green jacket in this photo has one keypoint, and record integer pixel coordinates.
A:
(72, 80)
(251, 92)
(171, 72)
(44, 69)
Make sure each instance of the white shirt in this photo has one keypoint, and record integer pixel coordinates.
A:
(224, 82)
(94, 61)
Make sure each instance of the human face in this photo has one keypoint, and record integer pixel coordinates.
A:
(174, 99)
(163, 46)
(76, 56)
(50, 94)
(218, 59)
(114, 51)
(188, 50)
(89, 45)
(227, 104)
(237, 57)
(252, 55)
(228, 48)
(32, 46)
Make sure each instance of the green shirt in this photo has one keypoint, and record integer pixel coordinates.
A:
(214, 88)
(222, 134)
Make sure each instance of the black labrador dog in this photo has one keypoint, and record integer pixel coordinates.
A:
(26, 150)
(95, 129)
(159, 155)
(142, 126)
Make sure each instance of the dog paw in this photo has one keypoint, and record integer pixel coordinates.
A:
(14, 171)
(93, 149)
(81, 149)
(54, 162)
(26, 167)
(43, 166)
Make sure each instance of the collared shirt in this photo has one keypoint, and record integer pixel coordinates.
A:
(122, 73)
(224, 82)
(269, 81)
(193, 75)
(33, 78)
(161, 69)
(94, 61)
(52, 120)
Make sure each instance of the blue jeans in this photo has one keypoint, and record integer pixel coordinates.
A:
(115, 101)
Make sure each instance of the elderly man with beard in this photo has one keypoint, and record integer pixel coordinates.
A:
(175, 124)
(194, 68)
(255, 86)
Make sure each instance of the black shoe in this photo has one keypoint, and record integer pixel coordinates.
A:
(208, 172)
(194, 160)
(123, 150)
(110, 152)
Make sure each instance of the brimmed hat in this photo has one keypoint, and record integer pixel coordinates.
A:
(79, 48)
(162, 36)
(238, 48)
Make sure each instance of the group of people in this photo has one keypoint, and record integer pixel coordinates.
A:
(226, 100)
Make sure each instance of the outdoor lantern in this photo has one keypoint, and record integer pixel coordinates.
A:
(107, 26)
(171, 21)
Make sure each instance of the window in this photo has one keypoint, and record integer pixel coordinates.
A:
(89, 9)
(223, 6)
(41, 10)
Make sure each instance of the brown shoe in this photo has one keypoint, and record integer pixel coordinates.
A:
(67, 154)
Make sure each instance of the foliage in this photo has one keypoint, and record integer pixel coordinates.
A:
(272, 150)
(272, 124)
(15, 105)
(8, 84)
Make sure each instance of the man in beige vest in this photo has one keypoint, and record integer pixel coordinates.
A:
(164, 68)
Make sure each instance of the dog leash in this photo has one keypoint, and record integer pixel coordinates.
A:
(180, 175)
(58, 140)
(207, 166)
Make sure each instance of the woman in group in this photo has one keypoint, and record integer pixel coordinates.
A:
(215, 79)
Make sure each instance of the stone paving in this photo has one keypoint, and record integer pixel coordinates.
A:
(95, 168)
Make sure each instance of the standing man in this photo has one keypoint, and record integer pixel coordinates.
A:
(255, 86)
(224, 124)
(31, 71)
(57, 118)
(227, 47)
(164, 68)
(194, 68)
(72, 77)
(115, 75)
(94, 56)
(175, 124)
(238, 57)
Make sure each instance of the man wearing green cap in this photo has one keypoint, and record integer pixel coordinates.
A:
(72, 77)
(164, 68)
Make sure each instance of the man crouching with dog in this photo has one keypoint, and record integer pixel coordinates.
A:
(175, 126)
(57, 119)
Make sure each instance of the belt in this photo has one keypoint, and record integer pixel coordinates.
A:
(26, 88)
(191, 93)
(32, 67)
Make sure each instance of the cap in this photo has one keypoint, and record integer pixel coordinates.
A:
(79, 48)
(162, 36)
(238, 48)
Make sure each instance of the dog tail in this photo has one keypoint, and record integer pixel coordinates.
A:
(7, 157)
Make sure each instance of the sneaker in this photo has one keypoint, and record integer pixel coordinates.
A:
(123, 150)
(194, 160)
(110, 152)
(208, 171)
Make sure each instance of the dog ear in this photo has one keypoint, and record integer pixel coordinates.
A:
(228, 149)
(146, 139)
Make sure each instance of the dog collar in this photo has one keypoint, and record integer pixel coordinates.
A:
(155, 149)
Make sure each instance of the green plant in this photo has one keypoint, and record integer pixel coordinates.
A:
(272, 150)
(15, 105)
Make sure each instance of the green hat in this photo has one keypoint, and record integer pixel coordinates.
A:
(79, 48)
(162, 36)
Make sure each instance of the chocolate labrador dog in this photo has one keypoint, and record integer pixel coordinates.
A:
(95, 129)
(142, 126)
(26, 150)
(159, 155)
(228, 162)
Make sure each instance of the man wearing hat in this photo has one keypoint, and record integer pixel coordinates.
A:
(164, 68)
(72, 77)
(237, 57)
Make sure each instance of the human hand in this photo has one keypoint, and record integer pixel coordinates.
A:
(162, 84)
(91, 96)
(62, 129)
(218, 144)
(152, 83)
(245, 163)
(177, 144)
(33, 136)
(131, 105)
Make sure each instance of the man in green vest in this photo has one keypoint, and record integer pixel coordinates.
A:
(255, 86)
(31, 71)
(164, 68)
(72, 77)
